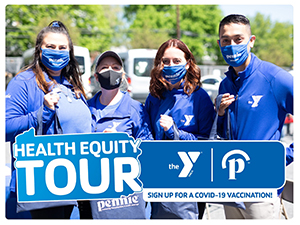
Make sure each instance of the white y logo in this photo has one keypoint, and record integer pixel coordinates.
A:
(115, 124)
(188, 161)
(188, 119)
(113, 128)
(256, 99)
(232, 163)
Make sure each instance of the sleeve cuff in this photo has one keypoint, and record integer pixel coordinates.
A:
(173, 132)
(47, 114)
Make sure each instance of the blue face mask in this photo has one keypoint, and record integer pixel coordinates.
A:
(174, 74)
(55, 59)
(235, 55)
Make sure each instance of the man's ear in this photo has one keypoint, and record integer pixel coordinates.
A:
(252, 40)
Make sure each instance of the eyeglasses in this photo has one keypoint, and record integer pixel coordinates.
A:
(167, 61)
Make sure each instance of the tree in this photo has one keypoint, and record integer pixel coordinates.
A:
(87, 25)
(200, 29)
(274, 41)
(157, 23)
(145, 32)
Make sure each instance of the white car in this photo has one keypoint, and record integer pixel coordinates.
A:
(138, 64)
(210, 83)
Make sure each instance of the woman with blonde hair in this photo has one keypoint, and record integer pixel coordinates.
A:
(114, 111)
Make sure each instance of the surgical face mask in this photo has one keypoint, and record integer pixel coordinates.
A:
(110, 79)
(174, 74)
(55, 59)
(235, 55)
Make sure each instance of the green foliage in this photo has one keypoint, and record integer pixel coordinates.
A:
(87, 25)
(154, 24)
(145, 30)
(99, 27)
(202, 22)
(274, 41)
(151, 25)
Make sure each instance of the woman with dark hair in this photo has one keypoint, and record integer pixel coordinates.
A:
(179, 109)
(47, 95)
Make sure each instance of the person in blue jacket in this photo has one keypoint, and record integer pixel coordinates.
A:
(258, 96)
(178, 109)
(115, 111)
(47, 95)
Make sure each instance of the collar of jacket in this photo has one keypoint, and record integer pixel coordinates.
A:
(63, 80)
(177, 93)
(243, 75)
(122, 111)
(66, 83)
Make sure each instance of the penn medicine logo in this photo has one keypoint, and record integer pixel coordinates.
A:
(236, 165)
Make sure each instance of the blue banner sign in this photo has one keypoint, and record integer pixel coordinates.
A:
(111, 165)
(79, 166)
(212, 171)
(217, 164)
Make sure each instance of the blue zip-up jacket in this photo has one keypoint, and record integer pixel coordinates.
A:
(193, 114)
(128, 117)
(24, 99)
(264, 95)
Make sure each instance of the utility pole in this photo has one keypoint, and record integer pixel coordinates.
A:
(178, 22)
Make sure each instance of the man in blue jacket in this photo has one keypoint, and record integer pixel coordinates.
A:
(258, 95)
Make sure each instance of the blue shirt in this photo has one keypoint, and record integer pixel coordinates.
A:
(73, 113)
(24, 99)
(193, 114)
(264, 95)
(104, 110)
(126, 116)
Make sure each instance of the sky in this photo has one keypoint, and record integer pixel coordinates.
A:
(280, 13)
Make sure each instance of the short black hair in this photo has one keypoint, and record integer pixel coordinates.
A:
(234, 18)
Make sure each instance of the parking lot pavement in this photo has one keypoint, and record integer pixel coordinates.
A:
(216, 211)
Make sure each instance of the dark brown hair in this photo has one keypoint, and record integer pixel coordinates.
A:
(192, 78)
(235, 18)
(71, 71)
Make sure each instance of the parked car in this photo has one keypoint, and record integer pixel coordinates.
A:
(138, 64)
(210, 83)
(82, 56)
